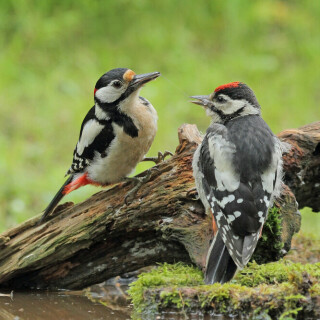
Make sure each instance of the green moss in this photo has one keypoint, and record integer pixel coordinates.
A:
(282, 289)
(275, 272)
(174, 275)
(270, 244)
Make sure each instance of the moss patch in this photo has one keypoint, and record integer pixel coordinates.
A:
(275, 272)
(283, 289)
(175, 275)
(270, 244)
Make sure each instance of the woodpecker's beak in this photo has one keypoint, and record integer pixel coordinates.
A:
(203, 101)
(141, 79)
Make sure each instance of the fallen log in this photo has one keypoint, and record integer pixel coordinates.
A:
(302, 164)
(103, 237)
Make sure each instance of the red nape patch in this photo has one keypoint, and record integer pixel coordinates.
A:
(228, 85)
(95, 90)
(76, 184)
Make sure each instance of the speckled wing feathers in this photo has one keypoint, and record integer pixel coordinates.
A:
(239, 204)
(95, 136)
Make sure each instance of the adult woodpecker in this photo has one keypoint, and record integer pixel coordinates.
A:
(238, 172)
(115, 134)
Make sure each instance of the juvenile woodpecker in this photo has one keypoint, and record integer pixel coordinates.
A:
(238, 172)
(115, 134)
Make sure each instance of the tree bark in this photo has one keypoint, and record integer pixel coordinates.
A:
(302, 164)
(103, 237)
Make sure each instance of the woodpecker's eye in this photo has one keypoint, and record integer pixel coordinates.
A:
(117, 84)
(221, 99)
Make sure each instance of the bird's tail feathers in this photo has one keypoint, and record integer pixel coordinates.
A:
(249, 245)
(54, 202)
(220, 267)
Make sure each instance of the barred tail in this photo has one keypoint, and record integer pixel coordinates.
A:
(220, 266)
(54, 202)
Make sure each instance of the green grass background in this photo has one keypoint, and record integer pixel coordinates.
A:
(53, 52)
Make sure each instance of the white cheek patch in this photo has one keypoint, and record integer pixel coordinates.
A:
(109, 94)
(232, 106)
(91, 129)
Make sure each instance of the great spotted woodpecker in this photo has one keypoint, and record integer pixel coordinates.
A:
(115, 134)
(238, 172)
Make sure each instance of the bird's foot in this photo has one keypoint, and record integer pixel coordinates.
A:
(192, 194)
(138, 181)
(160, 158)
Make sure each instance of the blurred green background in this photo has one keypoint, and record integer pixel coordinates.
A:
(53, 52)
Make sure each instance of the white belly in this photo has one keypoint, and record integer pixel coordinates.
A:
(125, 152)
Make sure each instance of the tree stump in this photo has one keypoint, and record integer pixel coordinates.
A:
(103, 237)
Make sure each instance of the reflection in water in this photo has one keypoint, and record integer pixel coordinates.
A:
(100, 302)
(55, 306)
(103, 302)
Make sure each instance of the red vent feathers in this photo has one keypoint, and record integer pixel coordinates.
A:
(77, 183)
(95, 90)
(228, 85)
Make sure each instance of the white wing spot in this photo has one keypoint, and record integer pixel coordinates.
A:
(260, 214)
(266, 200)
(219, 215)
(230, 218)
(226, 200)
(240, 200)
(237, 214)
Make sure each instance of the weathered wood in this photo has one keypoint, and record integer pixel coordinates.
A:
(102, 237)
(302, 164)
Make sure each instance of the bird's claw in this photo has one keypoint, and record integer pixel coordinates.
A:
(160, 158)
(138, 181)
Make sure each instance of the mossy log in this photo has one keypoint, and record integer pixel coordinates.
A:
(103, 237)
(280, 290)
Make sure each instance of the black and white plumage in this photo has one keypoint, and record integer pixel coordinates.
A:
(238, 172)
(115, 134)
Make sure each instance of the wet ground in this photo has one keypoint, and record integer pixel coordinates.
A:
(55, 306)
(107, 303)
